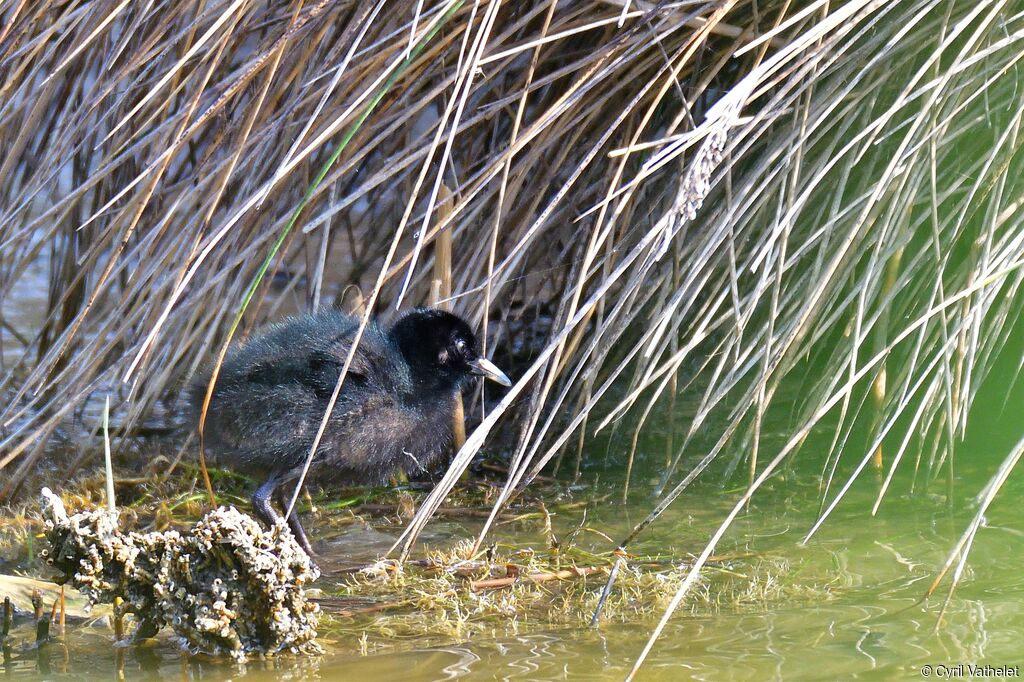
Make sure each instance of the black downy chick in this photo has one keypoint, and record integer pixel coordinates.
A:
(394, 411)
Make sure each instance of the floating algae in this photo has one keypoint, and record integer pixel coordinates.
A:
(227, 587)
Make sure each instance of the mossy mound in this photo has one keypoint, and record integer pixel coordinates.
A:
(226, 587)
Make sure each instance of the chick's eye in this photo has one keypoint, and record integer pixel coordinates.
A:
(460, 345)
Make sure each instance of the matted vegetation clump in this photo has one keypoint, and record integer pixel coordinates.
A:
(225, 587)
(514, 589)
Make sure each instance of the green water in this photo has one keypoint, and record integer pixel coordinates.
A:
(847, 607)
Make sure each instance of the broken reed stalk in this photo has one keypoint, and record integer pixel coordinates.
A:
(37, 604)
(52, 620)
(606, 591)
(109, 466)
(63, 613)
(441, 292)
(119, 659)
(8, 618)
(118, 619)
(540, 577)
(42, 630)
(878, 386)
(42, 623)
(446, 512)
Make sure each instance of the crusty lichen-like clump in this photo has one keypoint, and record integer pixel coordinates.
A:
(227, 587)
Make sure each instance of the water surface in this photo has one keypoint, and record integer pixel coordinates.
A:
(847, 607)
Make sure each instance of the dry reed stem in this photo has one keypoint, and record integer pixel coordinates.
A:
(541, 577)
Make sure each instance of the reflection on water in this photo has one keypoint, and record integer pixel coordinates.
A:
(867, 624)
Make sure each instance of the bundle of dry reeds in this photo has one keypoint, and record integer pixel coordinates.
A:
(726, 199)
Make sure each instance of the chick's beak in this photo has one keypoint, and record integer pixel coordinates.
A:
(486, 368)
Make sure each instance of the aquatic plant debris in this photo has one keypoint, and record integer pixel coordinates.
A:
(227, 587)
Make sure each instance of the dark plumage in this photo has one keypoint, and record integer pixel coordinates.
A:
(394, 410)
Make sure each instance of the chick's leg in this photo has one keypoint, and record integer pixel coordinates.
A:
(296, 526)
(261, 502)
